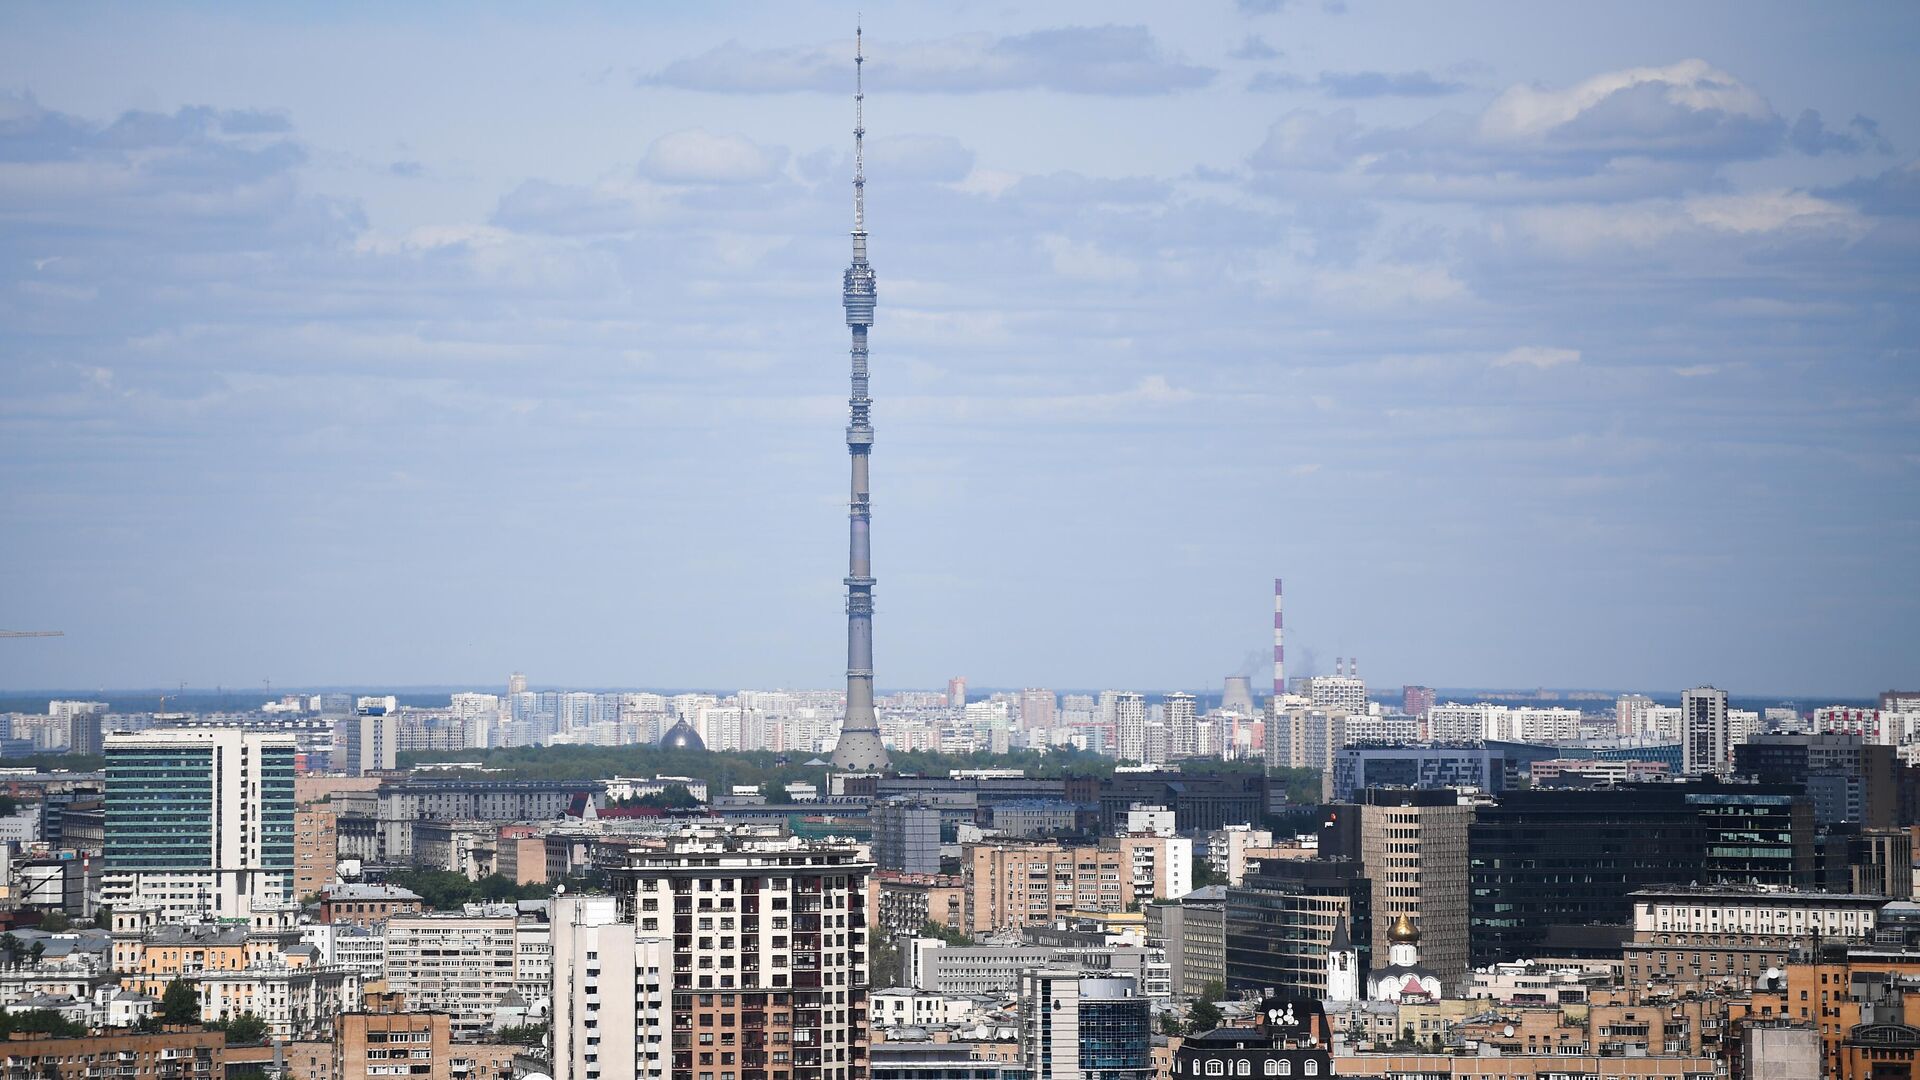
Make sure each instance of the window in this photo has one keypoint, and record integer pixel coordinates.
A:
(1312, 1069)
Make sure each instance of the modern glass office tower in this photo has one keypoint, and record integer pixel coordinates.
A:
(199, 822)
(1084, 1025)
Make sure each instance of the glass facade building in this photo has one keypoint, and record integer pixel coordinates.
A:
(1549, 870)
(199, 821)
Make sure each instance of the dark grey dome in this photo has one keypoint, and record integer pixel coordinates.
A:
(681, 736)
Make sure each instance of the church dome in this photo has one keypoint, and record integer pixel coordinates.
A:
(681, 736)
(1403, 932)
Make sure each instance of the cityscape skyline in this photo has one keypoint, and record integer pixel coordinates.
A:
(1524, 359)
(1531, 345)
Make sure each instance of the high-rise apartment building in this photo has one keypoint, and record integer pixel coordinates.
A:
(1036, 709)
(1413, 845)
(316, 849)
(1082, 1024)
(957, 692)
(468, 966)
(417, 1045)
(1416, 700)
(1180, 717)
(1630, 714)
(1034, 885)
(81, 720)
(199, 821)
(1127, 712)
(516, 684)
(1307, 738)
(612, 991)
(1707, 745)
(1347, 692)
(766, 948)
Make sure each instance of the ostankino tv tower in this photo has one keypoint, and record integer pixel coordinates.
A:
(859, 748)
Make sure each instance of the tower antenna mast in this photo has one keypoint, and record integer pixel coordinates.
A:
(859, 748)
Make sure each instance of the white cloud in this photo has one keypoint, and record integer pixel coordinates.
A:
(1690, 86)
(1387, 287)
(1537, 356)
(697, 156)
(1087, 262)
(1072, 59)
(1771, 211)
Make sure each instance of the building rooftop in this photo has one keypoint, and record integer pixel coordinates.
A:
(393, 893)
(1755, 892)
(196, 934)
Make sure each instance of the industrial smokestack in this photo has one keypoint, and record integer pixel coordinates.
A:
(1279, 649)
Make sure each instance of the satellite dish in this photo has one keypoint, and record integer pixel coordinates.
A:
(1507, 1031)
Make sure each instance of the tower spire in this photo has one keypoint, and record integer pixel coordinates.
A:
(859, 149)
(859, 747)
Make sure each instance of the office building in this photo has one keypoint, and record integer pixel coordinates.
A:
(1878, 862)
(1413, 846)
(1706, 739)
(1849, 779)
(368, 741)
(1492, 768)
(934, 966)
(1198, 803)
(1193, 931)
(765, 936)
(1084, 1024)
(199, 821)
(612, 1007)
(906, 836)
(1550, 870)
(1283, 920)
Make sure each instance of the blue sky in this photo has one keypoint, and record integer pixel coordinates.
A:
(1533, 344)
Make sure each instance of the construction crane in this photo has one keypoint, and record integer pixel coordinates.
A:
(32, 633)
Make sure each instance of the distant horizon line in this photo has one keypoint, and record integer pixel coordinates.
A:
(1590, 694)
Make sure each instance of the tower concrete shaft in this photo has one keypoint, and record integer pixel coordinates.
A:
(859, 747)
